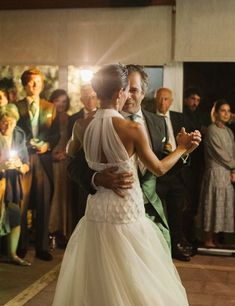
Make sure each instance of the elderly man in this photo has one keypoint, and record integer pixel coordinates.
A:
(171, 187)
(89, 100)
(78, 195)
(37, 119)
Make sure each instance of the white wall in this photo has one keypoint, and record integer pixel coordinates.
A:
(173, 79)
(205, 30)
(201, 31)
(86, 36)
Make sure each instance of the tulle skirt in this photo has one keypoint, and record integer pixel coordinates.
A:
(118, 265)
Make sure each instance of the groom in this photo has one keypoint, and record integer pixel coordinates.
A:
(156, 132)
(155, 128)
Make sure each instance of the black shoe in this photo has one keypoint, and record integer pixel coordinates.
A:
(178, 253)
(22, 253)
(188, 248)
(193, 251)
(43, 255)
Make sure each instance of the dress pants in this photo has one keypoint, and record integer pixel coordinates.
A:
(171, 191)
(37, 195)
(77, 204)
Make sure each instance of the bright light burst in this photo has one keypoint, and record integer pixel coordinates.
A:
(12, 154)
(86, 75)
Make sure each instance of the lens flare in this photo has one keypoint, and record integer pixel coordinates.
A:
(12, 154)
(86, 75)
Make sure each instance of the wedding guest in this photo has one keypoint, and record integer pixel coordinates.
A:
(13, 164)
(77, 195)
(3, 97)
(8, 85)
(37, 119)
(217, 198)
(89, 100)
(58, 225)
(194, 118)
(172, 187)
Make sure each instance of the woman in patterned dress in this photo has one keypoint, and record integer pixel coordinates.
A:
(217, 198)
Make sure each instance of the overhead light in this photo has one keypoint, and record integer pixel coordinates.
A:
(86, 75)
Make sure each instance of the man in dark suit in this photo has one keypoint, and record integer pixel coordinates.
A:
(37, 119)
(171, 187)
(155, 129)
(77, 194)
(194, 118)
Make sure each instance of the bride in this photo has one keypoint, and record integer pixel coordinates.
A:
(116, 256)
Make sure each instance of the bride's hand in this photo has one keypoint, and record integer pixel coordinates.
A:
(184, 140)
(196, 139)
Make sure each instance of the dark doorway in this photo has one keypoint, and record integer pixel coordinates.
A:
(215, 80)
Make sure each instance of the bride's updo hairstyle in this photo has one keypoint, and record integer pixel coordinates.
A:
(109, 79)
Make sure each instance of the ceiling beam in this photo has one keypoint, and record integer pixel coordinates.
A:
(50, 4)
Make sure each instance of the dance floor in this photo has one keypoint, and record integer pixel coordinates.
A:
(19, 284)
(209, 280)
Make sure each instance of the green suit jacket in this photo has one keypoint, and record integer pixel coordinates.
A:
(148, 185)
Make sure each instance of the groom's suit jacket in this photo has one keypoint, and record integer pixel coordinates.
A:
(79, 171)
(157, 132)
(73, 119)
(77, 194)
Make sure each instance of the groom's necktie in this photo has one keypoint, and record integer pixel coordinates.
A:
(133, 117)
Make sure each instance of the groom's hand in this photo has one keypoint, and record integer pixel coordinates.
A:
(110, 179)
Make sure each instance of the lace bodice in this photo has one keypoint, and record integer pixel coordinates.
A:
(105, 205)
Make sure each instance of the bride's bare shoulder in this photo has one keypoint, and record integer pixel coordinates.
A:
(125, 125)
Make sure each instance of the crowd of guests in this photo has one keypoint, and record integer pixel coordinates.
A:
(44, 179)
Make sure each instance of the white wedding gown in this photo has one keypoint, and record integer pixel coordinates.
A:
(116, 256)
